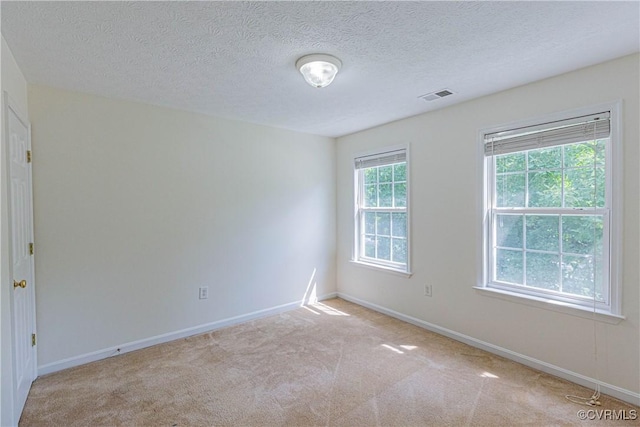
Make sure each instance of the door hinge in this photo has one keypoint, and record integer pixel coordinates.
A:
(28, 156)
(30, 248)
(33, 339)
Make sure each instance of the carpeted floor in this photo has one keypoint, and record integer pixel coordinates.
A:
(333, 363)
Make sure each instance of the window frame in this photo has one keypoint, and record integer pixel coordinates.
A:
(358, 256)
(612, 212)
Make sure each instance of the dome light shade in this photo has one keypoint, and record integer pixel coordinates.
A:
(318, 70)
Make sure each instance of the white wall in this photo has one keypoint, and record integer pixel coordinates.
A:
(14, 83)
(137, 206)
(446, 227)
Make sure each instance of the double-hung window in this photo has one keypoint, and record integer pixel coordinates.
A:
(381, 219)
(548, 211)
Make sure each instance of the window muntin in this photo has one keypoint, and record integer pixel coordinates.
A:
(549, 213)
(381, 203)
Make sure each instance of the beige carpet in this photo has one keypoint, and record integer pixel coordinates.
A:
(334, 363)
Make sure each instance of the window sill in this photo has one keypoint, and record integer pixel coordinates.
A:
(557, 306)
(382, 268)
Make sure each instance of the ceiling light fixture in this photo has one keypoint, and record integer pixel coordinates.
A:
(318, 69)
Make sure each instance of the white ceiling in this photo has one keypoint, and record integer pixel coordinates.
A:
(236, 59)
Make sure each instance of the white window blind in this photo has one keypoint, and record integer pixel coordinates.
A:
(381, 159)
(578, 129)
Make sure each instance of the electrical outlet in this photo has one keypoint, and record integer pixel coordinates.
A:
(204, 292)
(427, 290)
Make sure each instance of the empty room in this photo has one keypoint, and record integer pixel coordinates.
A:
(320, 213)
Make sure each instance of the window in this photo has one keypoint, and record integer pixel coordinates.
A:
(381, 220)
(548, 217)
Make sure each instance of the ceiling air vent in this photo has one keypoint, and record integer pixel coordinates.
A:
(436, 95)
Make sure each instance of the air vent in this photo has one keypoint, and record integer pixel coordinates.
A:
(436, 95)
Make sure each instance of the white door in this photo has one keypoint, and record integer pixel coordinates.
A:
(21, 237)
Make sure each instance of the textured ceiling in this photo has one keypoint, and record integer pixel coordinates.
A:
(236, 59)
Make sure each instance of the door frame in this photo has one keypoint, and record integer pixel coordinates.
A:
(7, 106)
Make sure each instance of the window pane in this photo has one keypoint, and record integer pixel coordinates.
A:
(370, 246)
(399, 250)
(384, 248)
(385, 173)
(543, 271)
(382, 227)
(580, 275)
(399, 227)
(370, 175)
(384, 224)
(510, 162)
(546, 237)
(509, 266)
(600, 187)
(370, 196)
(509, 231)
(543, 233)
(510, 190)
(400, 172)
(400, 195)
(546, 158)
(370, 222)
(582, 154)
(582, 187)
(582, 234)
(384, 195)
(545, 189)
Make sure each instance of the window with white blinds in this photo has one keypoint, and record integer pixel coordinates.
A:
(381, 221)
(549, 219)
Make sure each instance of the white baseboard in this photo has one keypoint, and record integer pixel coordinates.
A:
(171, 336)
(609, 389)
